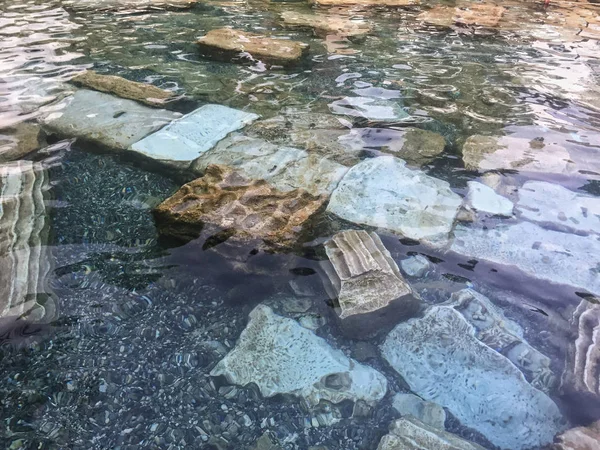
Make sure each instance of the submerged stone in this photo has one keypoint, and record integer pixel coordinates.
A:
(250, 209)
(25, 263)
(370, 108)
(325, 24)
(503, 335)
(582, 368)
(540, 253)
(373, 3)
(282, 357)
(286, 168)
(121, 87)
(442, 361)
(228, 44)
(483, 198)
(364, 275)
(106, 120)
(580, 438)
(382, 192)
(116, 5)
(565, 210)
(427, 412)
(410, 433)
(195, 133)
(413, 145)
(20, 140)
(416, 266)
(471, 14)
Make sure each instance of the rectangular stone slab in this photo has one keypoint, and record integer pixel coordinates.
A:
(192, 135)
(105, 120)
(227, 44)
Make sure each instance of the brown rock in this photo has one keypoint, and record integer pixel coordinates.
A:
(19, 141)
(141, 92)
(326, 24)
(251, 209)
(582, 370)
(228, 44)
(473, 15)
(580, 438)
(373, 3)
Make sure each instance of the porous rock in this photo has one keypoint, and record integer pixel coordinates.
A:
(282, 357)
(382, 192)
(503, 335)
(251, 209)
(105, 120)
(20, 140)
(442, 361)
(286, 168)
(429, 413)
(472, 15)
(25, 262)
(580, 438)
(228, 44)
(121, 87)
(409, 433)
(325, 24)
(366, 3)
(364, 275)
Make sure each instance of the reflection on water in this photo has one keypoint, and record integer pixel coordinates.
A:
(115, 336)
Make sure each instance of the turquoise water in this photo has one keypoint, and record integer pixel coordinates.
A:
(115, 345)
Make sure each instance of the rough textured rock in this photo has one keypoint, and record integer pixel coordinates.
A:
(140, 5)
(373, 109)
(483, 198)
(228, 44)
(485, 153)
(540, 253)
(195, 133)
(558, 207)
(580, 438)
(582, 369)
(106, 120)
(409, 433)
(471, 14)
(364, 275)
(415, 266)
(505, 336)
(286, 168)
(20, 140)
(326, 24)
(121, 87)
(429, 413)
(374, 3)
(413, 145)
(382, 192)
(249, 208)
(442, 361)
(24, 260)
(282, 357)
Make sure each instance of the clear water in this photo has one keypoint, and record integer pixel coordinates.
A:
(138, 323)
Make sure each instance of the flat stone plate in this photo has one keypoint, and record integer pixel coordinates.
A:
(187, 138)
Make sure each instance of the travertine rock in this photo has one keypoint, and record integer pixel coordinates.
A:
(483, 198)
(471, 14)
(121, 87)
(365, 276)
(282, 357)
(370, 3)
(383, 192)
(24, 260)
(227, 44)
(20, 140)
(503, 335)
(443, 361)
(427, 412)
(580, 438)
(582, 369)
(286, 168)
(326, 24)
(249, 208)
(409, 433)
(106, 120)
